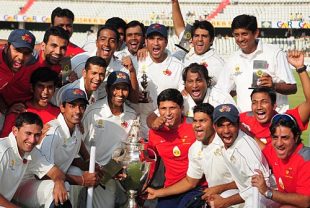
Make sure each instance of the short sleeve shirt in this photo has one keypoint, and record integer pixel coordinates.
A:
(292, 175)
(172, 146)
(59, 146)
(13, 167)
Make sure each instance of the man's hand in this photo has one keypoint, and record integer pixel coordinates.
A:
(17, 108)
(90, 179)
(152, 193)
(142, 54)
(158, 123)
(295, 58)
(216, 201)
(72, 76)
(210, 191)
(259, 182)
(60, 193)
(265, 81)
(184, 92)
(127, 63)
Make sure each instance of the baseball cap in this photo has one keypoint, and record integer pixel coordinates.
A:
(21, 38)
(228, 111)
(73, 94)
(157, 28)
(118, 77)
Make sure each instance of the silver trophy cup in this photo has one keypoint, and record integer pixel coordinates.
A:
(133, 156)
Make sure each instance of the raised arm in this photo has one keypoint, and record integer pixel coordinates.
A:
(296, 59)
(177, 18)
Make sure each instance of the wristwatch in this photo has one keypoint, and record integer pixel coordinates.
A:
(302, 69)
(268, 194)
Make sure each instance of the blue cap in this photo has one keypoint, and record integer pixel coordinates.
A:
(118, 77)
(21, 38)
(228, 111)
(157, 28)
(73, 94)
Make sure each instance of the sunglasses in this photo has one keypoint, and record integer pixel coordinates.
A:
(285, 117)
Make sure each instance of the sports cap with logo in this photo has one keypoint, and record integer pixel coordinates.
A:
(118, 77)
(227, 111)
(157, 28)
(21, 38)
(73, 94)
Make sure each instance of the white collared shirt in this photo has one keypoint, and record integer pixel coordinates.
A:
(213, 96)
(241, 159)
(210, 59)
(57, 97)
(59, 146)
(107, 129)
(13, 167)
(238, 74)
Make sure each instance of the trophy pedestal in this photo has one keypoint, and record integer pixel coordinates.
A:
(132, 194)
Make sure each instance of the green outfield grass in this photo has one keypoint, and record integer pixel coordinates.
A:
(296, 99)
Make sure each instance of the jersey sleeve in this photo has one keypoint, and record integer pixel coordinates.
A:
(39, 165)
(194, 167)
(303, 180)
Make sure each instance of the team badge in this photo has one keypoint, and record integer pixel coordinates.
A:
(176, 151)
(205, 64)
(218, 152)
(124, 124)
(259, 73)
(288, 173)
(225, 108)
(12, 164)
(99, 123)
(237, 70)
(27, 38)
(167, 72)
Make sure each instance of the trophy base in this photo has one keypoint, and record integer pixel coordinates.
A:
(132, 194)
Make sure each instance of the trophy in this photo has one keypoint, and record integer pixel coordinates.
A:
(133, 156)
(144, 85)
(185, 40)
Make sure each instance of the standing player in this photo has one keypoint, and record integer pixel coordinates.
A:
(255, 59)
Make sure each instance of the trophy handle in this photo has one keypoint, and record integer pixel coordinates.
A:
(155, 155)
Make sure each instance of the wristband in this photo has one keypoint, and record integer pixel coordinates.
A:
(302, 69)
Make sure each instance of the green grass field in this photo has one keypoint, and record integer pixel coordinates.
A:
(296, 99)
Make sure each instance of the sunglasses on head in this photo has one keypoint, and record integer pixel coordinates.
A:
(285, 117)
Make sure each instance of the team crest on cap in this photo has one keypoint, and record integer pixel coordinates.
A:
(225, 108)
(156, 26)
(27, 38)
(121, 76)
(77, 92)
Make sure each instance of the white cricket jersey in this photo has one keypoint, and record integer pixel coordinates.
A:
(213, 96)
(238, 74)
(13, 167)
(209, 59)
(107, 129)
(57, 97)
(59, 146)
(241, 159)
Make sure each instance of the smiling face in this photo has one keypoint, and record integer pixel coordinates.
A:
(42, 93)
(156, 45)
(17, 57)
(172, 113)
(246, 39)
(262, 107)
(93, 77)
(203, 127)
(196, 86)
(134, 39)
(118, 94)
(106, 44)
(227, 131)
(27, 137)
(201, 41)
(55, 49)
(73, 112)
(283, 142)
